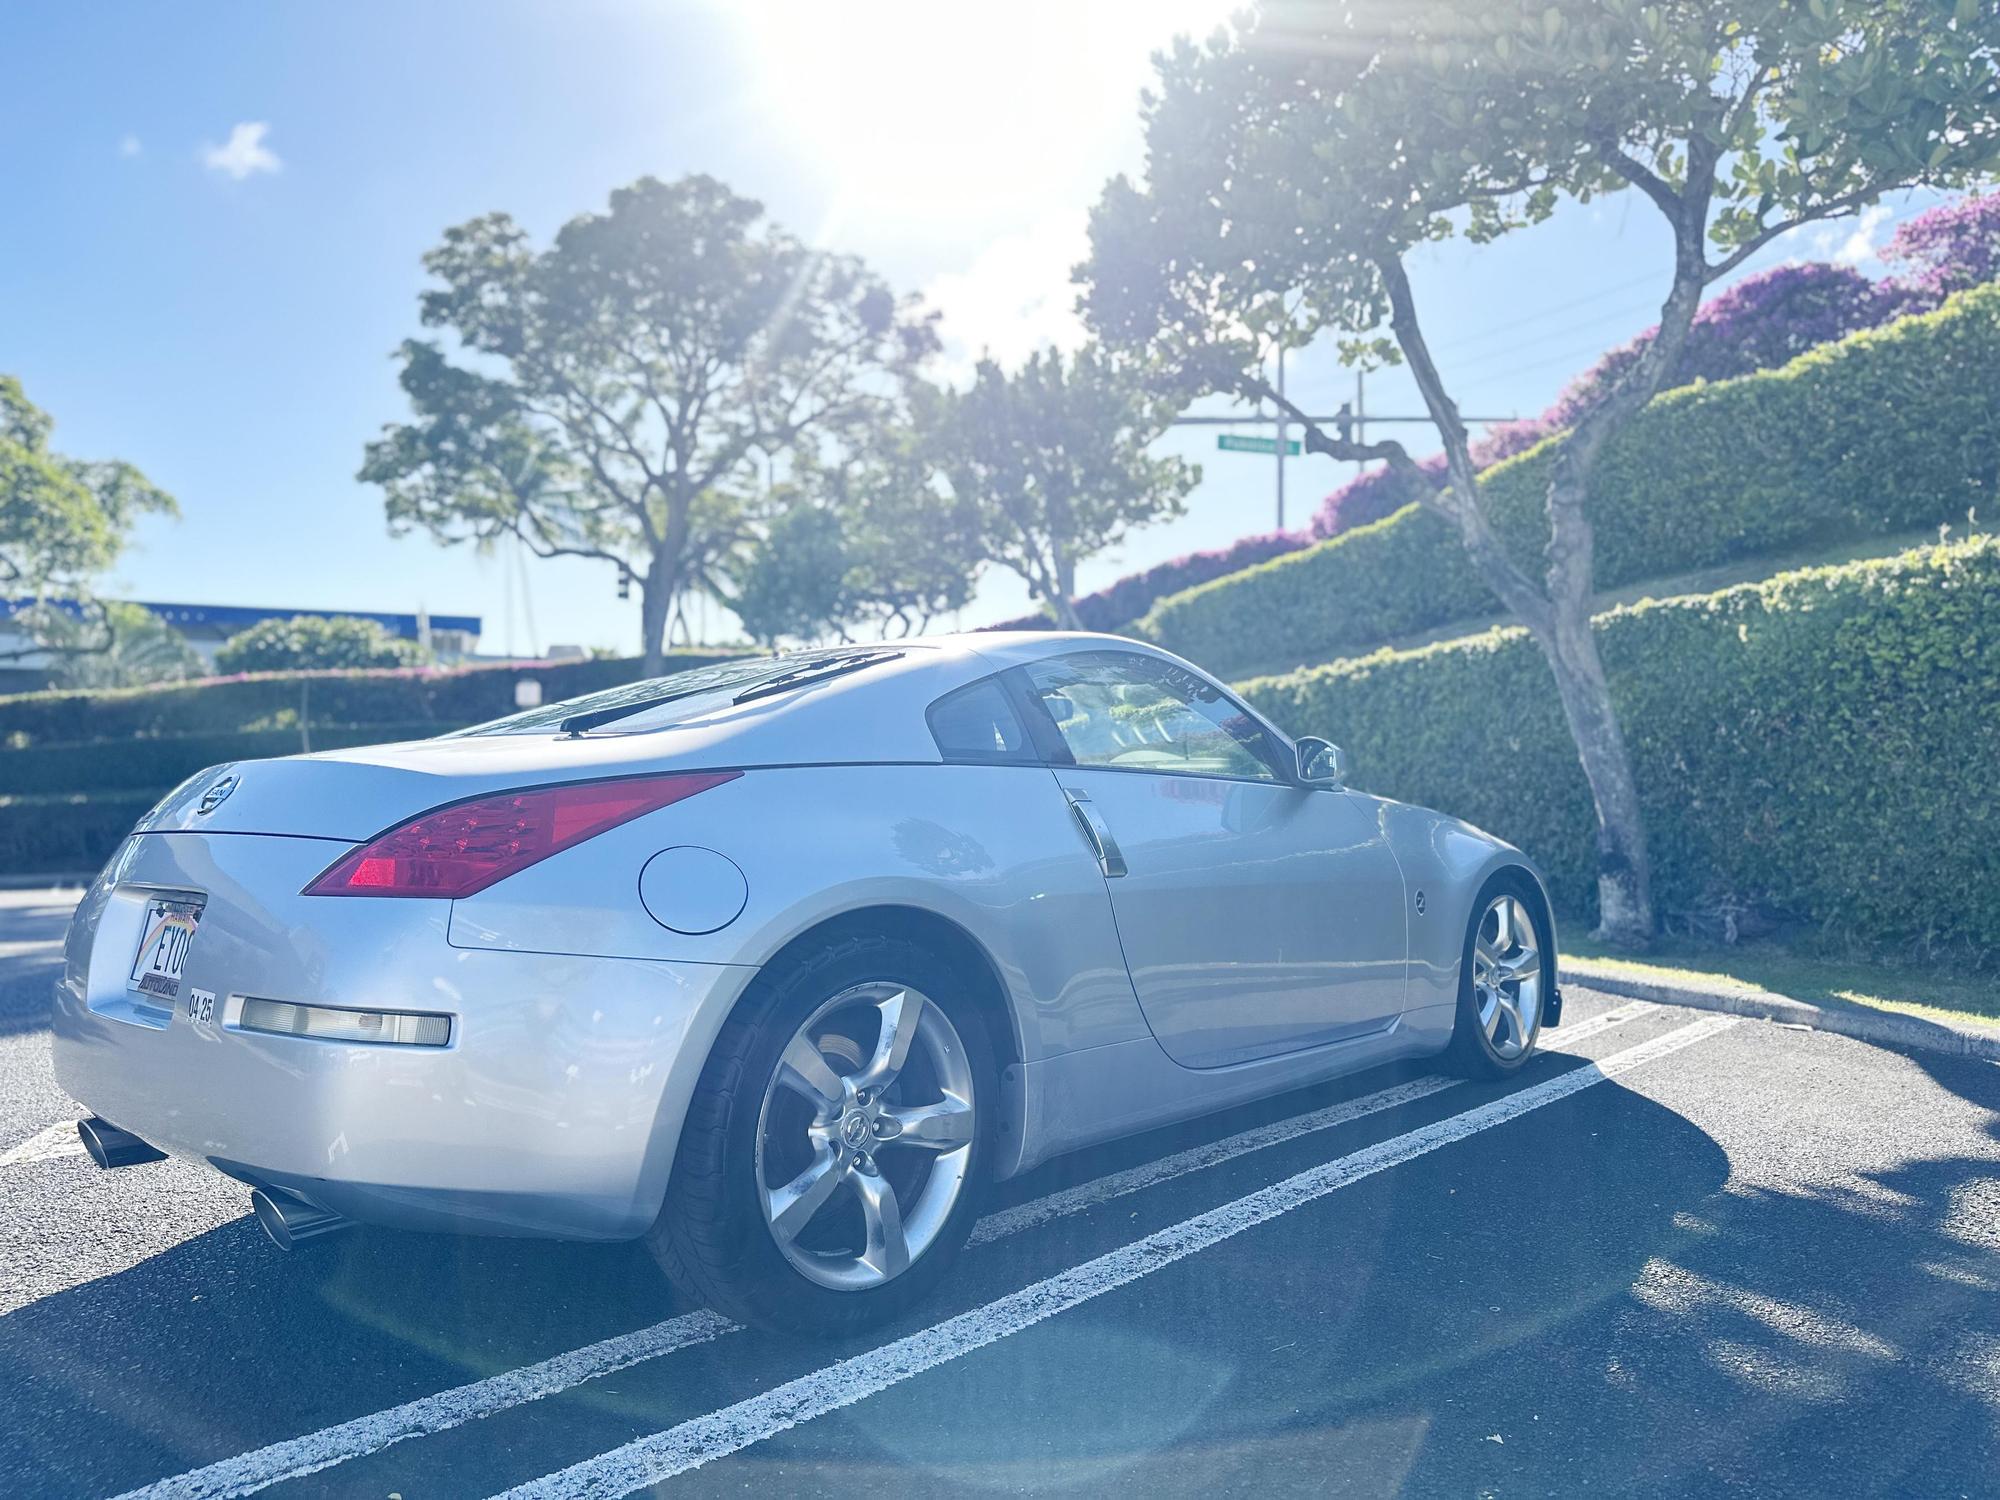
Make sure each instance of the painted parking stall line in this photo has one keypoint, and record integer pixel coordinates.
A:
(1088, 1195)
(691, 1444)
(360, 1437)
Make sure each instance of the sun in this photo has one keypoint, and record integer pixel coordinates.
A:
(918, 113)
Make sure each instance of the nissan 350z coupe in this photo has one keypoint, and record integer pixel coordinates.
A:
(778, 962)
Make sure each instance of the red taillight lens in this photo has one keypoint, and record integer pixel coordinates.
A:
(465, 847)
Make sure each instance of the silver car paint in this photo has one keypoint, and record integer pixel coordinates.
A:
(581, 1021)
(1256, 919)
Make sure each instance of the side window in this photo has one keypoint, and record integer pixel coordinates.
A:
(1138, 713)
(978, 723)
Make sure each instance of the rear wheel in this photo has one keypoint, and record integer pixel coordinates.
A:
(1505, 970)
(832, 1157)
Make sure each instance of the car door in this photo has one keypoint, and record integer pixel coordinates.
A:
(1257, 916)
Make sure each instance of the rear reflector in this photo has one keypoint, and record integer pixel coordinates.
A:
(464, 847)
(330, 1024)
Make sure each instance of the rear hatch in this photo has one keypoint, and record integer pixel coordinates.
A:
(355, 794)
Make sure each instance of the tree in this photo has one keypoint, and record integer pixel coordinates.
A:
(316, 643)
(1296, 163)
(118, 644)
(868, 540)
(62, 521)
(1053, 458)
(609, 397)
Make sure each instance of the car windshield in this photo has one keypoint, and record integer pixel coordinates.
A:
(681, 697)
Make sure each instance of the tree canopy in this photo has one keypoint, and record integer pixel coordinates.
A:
(615, 395)
(1053, 461)
(62, 520)
(1297, 161)
(308, 643)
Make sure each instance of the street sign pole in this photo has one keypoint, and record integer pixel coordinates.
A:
(1281, 438)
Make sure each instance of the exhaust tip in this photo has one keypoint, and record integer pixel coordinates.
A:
(289, 1220)
(111, 1147)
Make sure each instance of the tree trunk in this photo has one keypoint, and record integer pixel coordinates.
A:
(1624, 870)
(656, 596)
(1065, 599)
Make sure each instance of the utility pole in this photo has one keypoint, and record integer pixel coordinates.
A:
(1281, 439)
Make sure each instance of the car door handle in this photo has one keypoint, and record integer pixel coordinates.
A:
(1096, 832)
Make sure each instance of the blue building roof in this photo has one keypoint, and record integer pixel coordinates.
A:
(231, 618)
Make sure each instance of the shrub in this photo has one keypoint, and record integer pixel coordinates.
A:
(1948, 248)
(1760, 323)
(1821, 742)
(1113, 608)
(71, 834)
(1379, 493)
(1885, 431)
(316, 643)
(160, 762)
(448, 699)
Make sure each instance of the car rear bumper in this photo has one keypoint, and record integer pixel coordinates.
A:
(553, 1109)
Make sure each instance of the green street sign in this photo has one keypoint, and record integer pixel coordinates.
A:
(1230, 442)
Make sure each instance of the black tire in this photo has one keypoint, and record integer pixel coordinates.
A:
(711, 1237)
(1471, 1054)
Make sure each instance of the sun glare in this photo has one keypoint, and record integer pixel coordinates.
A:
(921, 110)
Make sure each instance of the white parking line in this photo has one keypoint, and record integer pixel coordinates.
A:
(1102, 1189)
(648, 1460)
(314, 1451)
(59, 1140)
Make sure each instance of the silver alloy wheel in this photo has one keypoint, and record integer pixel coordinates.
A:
(865, 1136)
(1507, 976)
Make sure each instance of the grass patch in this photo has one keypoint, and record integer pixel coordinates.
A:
(1837, 984)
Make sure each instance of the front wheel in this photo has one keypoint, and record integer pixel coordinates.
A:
(829, 1168)
(1504, 974)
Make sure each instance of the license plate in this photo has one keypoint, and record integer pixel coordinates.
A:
(163, 949)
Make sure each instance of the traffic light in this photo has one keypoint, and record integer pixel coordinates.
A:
(624, 582)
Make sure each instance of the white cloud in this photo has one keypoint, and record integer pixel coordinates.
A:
(129, 146)
(1849, 242)
(244, 154)
(1013, 297)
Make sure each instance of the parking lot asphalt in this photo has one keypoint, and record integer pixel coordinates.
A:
(1680, 1253)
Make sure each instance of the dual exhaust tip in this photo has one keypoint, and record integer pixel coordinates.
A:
(287, 1218)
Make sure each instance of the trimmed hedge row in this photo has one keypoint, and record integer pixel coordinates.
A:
(445, 699)
(1824, 742)
(156, 763)
(1885, 431)
(70, 834)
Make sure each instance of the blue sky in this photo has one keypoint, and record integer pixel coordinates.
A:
(214, 218)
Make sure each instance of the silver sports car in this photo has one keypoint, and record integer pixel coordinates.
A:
(778, 962)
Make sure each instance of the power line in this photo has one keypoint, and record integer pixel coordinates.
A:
(1486, 335)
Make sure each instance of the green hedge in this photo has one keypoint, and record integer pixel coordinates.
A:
(72, 834)
(1826, 742)
(1883, 432)
(265, 700)
(160, 762)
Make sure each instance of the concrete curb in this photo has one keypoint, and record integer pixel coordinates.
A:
(62, 881)
(1884, 1027)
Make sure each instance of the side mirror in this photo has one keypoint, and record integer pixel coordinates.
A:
(1321, 763)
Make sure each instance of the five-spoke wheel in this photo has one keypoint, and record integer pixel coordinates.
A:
(865, 1135)
(1507, 967)
(1507, 976)
(834, 1153)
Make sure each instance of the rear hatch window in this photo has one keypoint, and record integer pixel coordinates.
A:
(680, 697)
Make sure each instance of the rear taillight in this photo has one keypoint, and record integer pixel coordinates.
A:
(463, 848)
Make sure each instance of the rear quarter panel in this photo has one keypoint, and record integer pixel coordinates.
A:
(991, 848)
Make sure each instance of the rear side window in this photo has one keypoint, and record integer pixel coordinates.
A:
(978, 723)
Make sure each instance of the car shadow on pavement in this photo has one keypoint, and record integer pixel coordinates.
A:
(1579, 1301)
(225, 1343)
